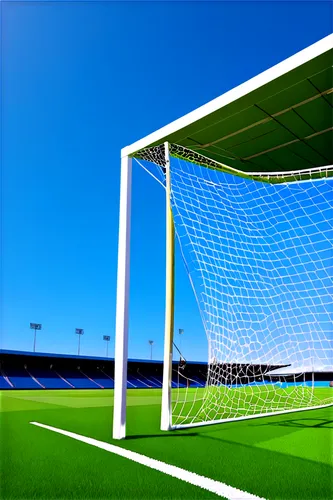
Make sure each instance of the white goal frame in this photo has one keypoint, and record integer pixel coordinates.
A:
(164, 136)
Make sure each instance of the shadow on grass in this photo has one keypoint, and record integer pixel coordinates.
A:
(301, 423)
(170, 434)
(296, 423)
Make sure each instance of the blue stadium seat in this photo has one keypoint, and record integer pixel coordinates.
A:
(21, 379)
(135, 382)
(157, 379)
(77, 379)
(106, 382)
(49, 379)
(4, 384)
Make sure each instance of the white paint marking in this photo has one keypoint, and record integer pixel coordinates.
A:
(221, 489)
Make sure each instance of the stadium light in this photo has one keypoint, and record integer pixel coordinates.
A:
(107, 339)
(79, 332)
(150, 342)
(35, 326)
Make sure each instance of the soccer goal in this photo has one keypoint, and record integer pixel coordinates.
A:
(249, 199)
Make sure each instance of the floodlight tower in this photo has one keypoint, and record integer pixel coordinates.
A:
(35, 326)
(79, 332)
(107, 339)
(150, 342)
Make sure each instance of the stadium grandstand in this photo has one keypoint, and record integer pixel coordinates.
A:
(28, 370)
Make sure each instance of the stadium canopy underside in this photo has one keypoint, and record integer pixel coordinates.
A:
(279, 121)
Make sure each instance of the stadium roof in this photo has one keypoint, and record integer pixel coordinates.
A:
(81, 357)
(289, 370)
(280, 120)
(51, 355)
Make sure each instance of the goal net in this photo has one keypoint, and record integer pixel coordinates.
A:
(258, 253)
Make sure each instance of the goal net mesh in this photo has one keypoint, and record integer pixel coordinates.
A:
(258, 253)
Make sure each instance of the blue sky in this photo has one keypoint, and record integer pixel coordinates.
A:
(80, 81)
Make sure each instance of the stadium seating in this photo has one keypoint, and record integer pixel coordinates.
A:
(21, 379)
(48, 378)
(136, 382)
(157, 379)
(78, 379)
(149, 379)
(4, 384)
(197, 381)
(104, 381)
(22, 370)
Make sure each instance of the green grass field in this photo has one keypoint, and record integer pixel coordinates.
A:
(280, 457)
(202, 405)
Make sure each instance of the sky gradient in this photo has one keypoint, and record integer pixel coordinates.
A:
(81, 80)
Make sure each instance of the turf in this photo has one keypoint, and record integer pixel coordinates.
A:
(278, 457)
(202, 405)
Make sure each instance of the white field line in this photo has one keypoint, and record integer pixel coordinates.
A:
(220, 489)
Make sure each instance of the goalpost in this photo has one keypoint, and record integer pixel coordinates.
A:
(256, 242)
